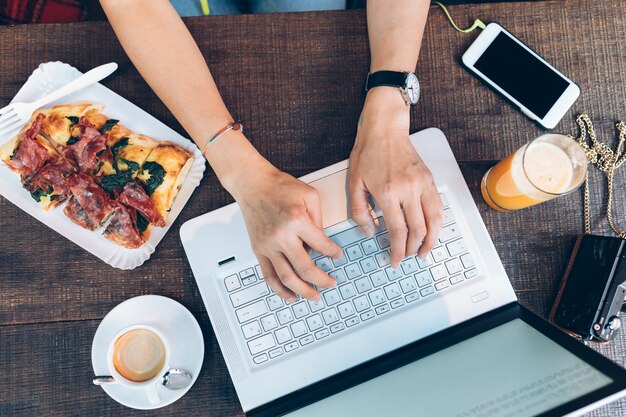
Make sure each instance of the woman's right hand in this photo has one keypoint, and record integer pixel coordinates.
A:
(284, 219)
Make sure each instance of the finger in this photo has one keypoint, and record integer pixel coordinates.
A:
(359, 208)
(396, 225)
(433, 215)
(271, 277)
(290, 279)
(305, 268)
(417, 225)
(314, 237)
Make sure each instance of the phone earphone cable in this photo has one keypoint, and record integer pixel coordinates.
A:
(477, 23)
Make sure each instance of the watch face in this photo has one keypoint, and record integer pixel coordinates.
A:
(412, 88)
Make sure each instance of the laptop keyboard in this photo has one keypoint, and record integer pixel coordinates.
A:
(367, 288)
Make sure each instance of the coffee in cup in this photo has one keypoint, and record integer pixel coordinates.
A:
(139, 354)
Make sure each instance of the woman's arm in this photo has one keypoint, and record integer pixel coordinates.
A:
(383, 161)
(281, 213)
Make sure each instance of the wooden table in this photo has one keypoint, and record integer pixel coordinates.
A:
(295, 80)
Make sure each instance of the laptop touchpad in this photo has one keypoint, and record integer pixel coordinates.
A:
(333, 191)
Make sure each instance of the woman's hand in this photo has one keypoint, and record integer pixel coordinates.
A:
(284, 218)
(383, 163)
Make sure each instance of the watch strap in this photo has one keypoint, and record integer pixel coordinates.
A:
(386, 78)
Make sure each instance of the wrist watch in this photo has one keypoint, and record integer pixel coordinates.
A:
(406, 82)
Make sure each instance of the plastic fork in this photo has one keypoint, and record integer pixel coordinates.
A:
(17, 114)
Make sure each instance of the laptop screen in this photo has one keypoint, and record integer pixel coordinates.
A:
(511, 370)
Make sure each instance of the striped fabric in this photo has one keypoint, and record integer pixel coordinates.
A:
(41, 11)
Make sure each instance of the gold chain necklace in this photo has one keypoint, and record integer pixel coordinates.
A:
(607, 161)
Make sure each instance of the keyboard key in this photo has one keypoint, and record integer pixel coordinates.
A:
(367, 315)
(409, 266)
(397, 303)
(354, 252)
(340, 262)
(408, 284)
(337, 327)
(456, 279)
(393, 273)
(248, 280)
(258, 271)
(322, 334)
(383, 240)
(339, 276)
(232, 283)
(284, 316)
(316, 305)
(382, 309)
(300, 309)
(456, 247)
(441, 285)
(246, 273)
(369, 246)
(379, 278)
(453, 266)
(439, 254)
(447, 216)
(347, 291)
(260, 344)
(361, 303)
(424, 263)
(260, 359)
(269, 323)
(427, 291)
(275, 302)
(248, 294)
(412, 297)
(383, 258)
(307, 339)
(377, 297)
(298, 329)
(352, 321)
(291, 346)
(252, 311)
(330, 316)
(347, 237)
(324, 264)
(276, 352)
(438, 272)
(467, 260)
(345, 309)
(392, 291)
(283, 335)
(353, 271)
(251, 329)
(449, 232)
(314, 322)
(423, 278)
(368, 265)
(471, 273)
(363, 285)
(332, 297)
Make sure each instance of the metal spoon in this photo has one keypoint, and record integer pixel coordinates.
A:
(174, 379)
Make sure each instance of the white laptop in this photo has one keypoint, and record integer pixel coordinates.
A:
(437, 337)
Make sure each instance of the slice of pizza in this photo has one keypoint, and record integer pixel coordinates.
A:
(163, 173)
(114, 130)
(61, 123)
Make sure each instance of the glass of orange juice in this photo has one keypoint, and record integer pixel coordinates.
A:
(545, 168)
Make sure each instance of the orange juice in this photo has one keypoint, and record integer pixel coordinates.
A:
(537, 172)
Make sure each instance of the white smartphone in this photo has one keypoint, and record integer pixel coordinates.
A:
(540, 91)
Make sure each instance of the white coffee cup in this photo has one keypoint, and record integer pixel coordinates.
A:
(139, 347)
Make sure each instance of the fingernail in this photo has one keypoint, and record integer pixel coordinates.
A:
(316, 297)
(367, 230)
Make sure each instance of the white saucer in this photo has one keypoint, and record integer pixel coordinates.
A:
(179, 327)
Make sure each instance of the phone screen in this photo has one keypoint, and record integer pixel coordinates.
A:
(518, 72)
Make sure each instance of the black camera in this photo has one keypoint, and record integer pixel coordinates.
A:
(593, 288)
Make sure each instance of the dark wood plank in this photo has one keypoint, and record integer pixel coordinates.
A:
(280, 75)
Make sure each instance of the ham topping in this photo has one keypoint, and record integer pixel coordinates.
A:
(53, 175)
(85, 151)
(30, 155)
(123, 227)
(75, 213)
(91, 197)
(134, 196)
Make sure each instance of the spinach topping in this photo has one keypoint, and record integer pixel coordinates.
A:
(122, 143)
(72, 140)
(132, 165)
(119, 180)
(38, 193)
(157, 173)
(142, 223)
(73, 119)
(108, 125)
